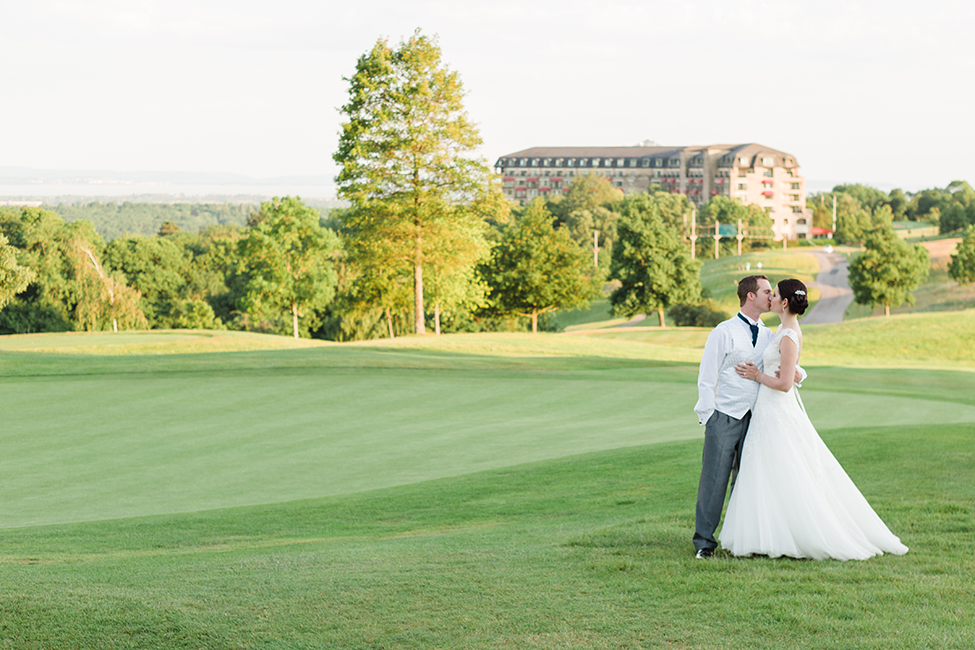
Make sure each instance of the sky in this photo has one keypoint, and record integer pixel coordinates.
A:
(872, 92)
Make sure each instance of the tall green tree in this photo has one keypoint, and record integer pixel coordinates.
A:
(961, 268)
(14, 278)
(288, 259)
(888, 270)
(536, 268)
(651, 262)
(404, 153)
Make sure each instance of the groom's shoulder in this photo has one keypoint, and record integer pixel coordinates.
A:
(727, 323)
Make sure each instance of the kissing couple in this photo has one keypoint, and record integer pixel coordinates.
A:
(789, 495)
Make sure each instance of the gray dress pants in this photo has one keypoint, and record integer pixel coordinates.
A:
(723, 440)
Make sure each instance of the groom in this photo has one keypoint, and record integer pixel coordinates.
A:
(725, 401)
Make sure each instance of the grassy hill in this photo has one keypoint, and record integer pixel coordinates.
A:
(718, 278)
(502, 491)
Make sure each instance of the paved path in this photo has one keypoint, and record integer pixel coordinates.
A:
(834, 287)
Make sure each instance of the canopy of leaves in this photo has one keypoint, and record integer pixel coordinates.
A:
(536, 268)
(13, 277)
(651, 262)
(51, 249)
(962, 265)
(888, 270)
(288, 260)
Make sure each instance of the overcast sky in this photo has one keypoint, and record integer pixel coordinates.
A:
(872, 92)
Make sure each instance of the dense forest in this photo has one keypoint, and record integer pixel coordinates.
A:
(112, 220)
(952, 209)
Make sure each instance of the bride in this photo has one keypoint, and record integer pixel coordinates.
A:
(792, 497)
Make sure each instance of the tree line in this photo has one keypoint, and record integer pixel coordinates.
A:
(860, 208)
(427, 240)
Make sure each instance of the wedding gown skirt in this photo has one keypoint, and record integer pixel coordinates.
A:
(792, 497)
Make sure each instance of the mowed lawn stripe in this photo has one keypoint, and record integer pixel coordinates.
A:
(97, 447)
(101, 438)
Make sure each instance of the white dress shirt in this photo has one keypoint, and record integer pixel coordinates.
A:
(718, 385)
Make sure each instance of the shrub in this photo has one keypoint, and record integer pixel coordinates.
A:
(696, 316)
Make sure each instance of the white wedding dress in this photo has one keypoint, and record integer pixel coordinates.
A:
(791, 496)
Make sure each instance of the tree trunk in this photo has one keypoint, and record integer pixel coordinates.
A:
(294, 318)
(421, 327)
(534, 322)
(660, 312)
(436, 318)
(886, 309)
(389, 323)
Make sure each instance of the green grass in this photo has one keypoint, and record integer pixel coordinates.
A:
(503, 491)
(720, 277)
(922, 340)
(151, 342)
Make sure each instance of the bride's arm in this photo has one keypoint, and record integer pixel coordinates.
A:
(789, 352)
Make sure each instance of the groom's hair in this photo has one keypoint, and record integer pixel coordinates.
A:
(748, 285)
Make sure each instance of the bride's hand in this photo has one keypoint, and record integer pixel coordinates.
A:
(747, 370)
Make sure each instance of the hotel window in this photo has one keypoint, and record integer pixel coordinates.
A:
(768, 162)
(742, 186)
(743, 160)
(767, 173)
(570, 162)
(558, 162)
(795, 186)
(797, 209)
(645, 162)
(534, 162)
(793, 197)
(632, 162)
(620, 162)
(659, 162)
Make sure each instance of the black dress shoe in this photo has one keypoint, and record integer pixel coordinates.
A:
(704, 554)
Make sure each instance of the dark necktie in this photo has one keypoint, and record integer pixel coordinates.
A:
(753, 328)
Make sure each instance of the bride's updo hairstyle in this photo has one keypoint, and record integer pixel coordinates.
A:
(795, 292)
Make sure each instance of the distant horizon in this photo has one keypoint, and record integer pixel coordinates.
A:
(31, 185)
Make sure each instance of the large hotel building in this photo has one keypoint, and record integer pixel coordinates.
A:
(749, 173)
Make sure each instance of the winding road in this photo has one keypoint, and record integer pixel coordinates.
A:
(834, 287)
